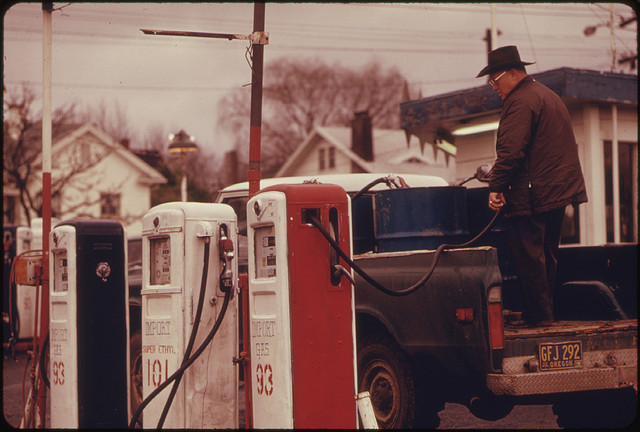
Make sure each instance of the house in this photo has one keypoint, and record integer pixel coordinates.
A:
(102, 179)
(362, 149)
(604, 112)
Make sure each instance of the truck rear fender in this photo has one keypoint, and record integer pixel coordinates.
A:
(586, 300)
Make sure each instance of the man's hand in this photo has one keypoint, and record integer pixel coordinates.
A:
(496, 200)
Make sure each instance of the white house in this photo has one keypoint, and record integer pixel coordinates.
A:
(604, 112)
(361, 149)
(108, 181)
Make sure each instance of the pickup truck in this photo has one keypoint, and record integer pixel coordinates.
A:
(452, 340)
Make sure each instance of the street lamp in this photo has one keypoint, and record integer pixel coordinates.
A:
(182, 143)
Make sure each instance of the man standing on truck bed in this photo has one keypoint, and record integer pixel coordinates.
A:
(536, 174)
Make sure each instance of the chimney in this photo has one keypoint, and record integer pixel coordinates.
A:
(124, 142)
(230, 167)
(361, 138)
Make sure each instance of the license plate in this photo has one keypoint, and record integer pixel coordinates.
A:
(562, 355)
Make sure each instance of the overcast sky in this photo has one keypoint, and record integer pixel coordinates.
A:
(100, 54)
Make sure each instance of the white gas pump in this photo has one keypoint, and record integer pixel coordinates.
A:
(25, 294)
(19, 300)
(188, 248)
(302, 320)
(89, 326)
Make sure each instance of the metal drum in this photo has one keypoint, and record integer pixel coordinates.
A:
(420, 218)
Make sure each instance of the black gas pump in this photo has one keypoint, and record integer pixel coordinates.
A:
(89, 350)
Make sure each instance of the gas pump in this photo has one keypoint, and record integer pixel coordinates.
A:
(88, 309)
(19, 300)
(187, 286)
(302, 320)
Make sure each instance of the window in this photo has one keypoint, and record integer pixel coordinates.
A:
(10, 203)
(321, 161)
(628, 193)
(109, 205)
(332, 157)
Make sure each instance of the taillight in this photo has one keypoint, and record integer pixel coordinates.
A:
(494, 312)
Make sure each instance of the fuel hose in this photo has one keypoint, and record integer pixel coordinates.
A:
(186, 364)
(194, 331)
(389, 180)
(417, 285)
(43, 350)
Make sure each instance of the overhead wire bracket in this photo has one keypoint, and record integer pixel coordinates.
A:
(256, 38)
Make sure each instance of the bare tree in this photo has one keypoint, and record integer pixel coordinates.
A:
(110, 117)
(155, 138)
(300, 94)
(22, 145)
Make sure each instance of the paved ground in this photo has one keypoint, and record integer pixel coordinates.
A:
(13, 372)
(454, 416)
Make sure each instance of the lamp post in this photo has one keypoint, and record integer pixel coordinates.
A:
(182, 143)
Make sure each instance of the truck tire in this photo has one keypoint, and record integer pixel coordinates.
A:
(607, 409)
(384, 372)
(135, 348)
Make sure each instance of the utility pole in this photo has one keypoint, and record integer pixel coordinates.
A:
(40, 336)
(493, 42)
(612, 38)
(492, 33)
(254, 172)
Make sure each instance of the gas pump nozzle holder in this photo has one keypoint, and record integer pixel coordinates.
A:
(302, 328)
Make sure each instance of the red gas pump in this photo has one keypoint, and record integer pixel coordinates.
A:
(302, 325)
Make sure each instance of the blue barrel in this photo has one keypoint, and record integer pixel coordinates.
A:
(420, 218)
(363, 233)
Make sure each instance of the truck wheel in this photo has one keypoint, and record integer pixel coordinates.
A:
(385, 373)
(135, 347)
(607, 409)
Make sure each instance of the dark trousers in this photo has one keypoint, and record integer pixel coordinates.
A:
(533, 243)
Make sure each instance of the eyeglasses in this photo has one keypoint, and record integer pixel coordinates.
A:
(493, 82)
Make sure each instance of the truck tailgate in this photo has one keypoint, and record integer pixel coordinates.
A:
(568, 356)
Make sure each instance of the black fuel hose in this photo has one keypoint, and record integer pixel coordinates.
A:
(389, 181)
(413, 287)
(194, 331)
(43, 369)
(185, 365)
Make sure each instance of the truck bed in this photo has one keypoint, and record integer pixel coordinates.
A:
(569, 328)
(608, 358)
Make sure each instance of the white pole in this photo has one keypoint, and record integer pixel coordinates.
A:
(47, 9)
(183, 183)
(494, 29)
(46, 94)
(615, 173)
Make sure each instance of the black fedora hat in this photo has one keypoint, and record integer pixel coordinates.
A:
(502, 58)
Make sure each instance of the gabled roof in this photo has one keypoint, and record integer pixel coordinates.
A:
(389, 147)
(151, 175)
(425, 116)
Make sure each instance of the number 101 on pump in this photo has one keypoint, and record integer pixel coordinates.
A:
(188, 277)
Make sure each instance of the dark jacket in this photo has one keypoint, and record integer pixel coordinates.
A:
(537, 166)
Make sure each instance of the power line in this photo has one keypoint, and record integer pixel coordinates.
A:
(125, 86)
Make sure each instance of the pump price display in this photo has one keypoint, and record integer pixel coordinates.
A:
(265, 247)
(160, 256)
(563, 355)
